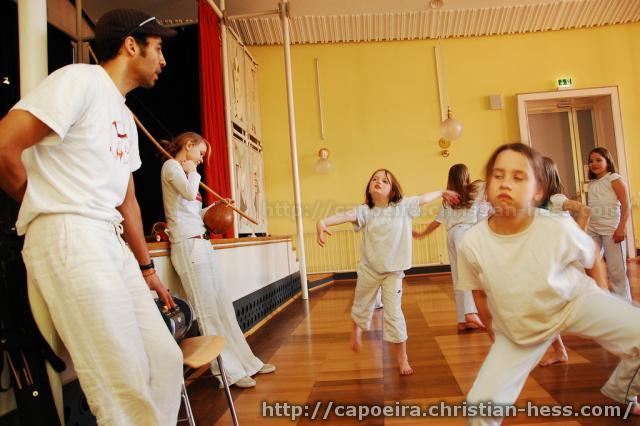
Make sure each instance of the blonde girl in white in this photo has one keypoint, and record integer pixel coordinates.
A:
(195, 261)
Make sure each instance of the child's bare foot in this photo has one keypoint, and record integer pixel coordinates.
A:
(405, 368)
(556, 358)
(473, 321)
(356, 337)
(403, 359)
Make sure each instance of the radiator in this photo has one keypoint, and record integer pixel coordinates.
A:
(342, 250)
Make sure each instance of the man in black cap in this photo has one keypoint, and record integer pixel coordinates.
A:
(67, 152)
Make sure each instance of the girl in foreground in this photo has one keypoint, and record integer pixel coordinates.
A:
(527, 272)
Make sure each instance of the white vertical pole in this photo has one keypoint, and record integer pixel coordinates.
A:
(32, 30)
(443, 95)
(284, 18)
(322, 134)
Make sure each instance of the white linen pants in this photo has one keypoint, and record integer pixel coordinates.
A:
(195, 262)
(607, 319)
(128, 364)
(394, 328)
(464, 299)
(616, 260)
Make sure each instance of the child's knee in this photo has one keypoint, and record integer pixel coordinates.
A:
(361, 321)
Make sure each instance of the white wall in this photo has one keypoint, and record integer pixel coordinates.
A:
(245, 266)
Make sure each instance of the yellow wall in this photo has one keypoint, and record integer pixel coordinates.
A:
(381, 108)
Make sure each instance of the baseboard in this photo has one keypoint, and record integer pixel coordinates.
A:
(317, 283)
(416, 270)
(432, 269)
(345, 276)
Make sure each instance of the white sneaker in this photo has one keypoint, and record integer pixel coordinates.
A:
(267, 368)
(245, 382)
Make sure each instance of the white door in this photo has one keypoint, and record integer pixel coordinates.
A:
(566, 126)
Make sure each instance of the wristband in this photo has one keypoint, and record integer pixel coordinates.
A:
(147, 266)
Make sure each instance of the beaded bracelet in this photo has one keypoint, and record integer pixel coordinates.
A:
(148, 272)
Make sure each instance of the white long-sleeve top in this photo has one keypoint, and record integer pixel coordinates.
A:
(182, 202)
(471, 215)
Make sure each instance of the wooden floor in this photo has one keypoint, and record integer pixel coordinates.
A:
(309, 343)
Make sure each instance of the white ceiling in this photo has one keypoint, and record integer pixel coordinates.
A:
(357, 7)
(331, 21)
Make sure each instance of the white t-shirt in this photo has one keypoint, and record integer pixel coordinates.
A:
(478, 210)
(386, 234)
(556, 201)
(182, 202)
(530, 277)
(605, 206)
(83, 166)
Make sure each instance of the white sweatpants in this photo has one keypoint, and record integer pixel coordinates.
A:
(195, 262)
(128, 364)
(616, 259)
(369, 281)
(607, 319)
(464, 299)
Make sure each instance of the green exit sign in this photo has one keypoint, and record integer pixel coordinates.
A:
(564, 83)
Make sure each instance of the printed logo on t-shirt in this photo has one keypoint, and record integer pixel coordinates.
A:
(120, 143)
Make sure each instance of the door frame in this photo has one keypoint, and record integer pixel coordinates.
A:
(612, 92)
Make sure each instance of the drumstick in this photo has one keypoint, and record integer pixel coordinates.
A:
(27, 371)
(166, 154)
(13, 370)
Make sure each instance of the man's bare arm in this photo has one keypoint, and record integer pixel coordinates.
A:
(19, 130)
(134, 234)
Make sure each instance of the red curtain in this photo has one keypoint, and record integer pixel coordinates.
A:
(216, 170)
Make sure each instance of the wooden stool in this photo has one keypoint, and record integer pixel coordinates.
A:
(197, 352)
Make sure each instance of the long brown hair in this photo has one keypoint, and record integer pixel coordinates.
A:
(460, 182)
(175, 145)
(534, 158)
(554, 185)
(395, 195)
(611, 168)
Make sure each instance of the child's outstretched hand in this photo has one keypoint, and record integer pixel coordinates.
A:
(321, 229)
(451, 197)
(416, 234)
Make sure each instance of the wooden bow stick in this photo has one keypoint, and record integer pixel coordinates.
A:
(169, 156)
(166, 154)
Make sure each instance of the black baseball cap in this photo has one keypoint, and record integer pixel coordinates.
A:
(117, 24)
